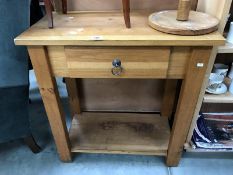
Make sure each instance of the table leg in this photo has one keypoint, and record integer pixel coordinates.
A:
(189, 94)
(169, 98)
(58, 6)
(194, 5)
(51, 99)
(64, 6)
(72, 90)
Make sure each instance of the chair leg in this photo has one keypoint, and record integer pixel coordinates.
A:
(126, 11)
(48, 8)
(194, 5)
(64, 6)
(31, 143)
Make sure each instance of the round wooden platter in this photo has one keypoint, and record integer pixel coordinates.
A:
(198, 24)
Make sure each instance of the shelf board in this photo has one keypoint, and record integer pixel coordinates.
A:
(223, 98)
(121, 133)
(227, 48)
(202, 150)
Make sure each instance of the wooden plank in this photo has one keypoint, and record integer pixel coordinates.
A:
(130, 95)
(169, 98)
(136, 62)
(223, 98)
(124, 133)
(52, 103)
(198, 150)
(189, 94)
(227, 48)
(116, 5)
(178, 62)
(73, 95)
(220, 9)
(188, 148)
(108, 29)
(202, 93)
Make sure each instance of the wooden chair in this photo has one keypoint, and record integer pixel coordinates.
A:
(49, 9)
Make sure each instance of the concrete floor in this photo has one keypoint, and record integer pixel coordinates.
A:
(17, 159)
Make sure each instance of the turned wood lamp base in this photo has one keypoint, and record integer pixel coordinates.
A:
(198, 23)
(183, 21)
(49, 9)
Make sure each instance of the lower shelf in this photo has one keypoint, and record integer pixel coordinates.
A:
(121, 133)
(199, 150)
(188, 148)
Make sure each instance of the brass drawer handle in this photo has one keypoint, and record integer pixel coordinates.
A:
(117, 69)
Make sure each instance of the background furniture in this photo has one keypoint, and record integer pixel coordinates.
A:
(221, 11)
(14, 87)
(49, 8)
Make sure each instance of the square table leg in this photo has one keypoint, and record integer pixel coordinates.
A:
(190, 90)
(51, 99)
(169, 98)
(74, 99)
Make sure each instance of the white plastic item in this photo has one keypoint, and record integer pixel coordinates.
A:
(230, 75)
(231, 87)
(215, 81)
(221, 69)
(230, 34)
(221, 89)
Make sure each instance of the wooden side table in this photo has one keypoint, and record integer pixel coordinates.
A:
(84, 45)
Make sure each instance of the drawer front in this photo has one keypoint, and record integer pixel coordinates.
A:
(136, 62)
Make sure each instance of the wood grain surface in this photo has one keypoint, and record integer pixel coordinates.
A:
(73, 95)
(183, 10)
(189, 94)
(198, 24)
(176, 68)
(51, 100)
(107, 29)
(123, 133)
(136, 62)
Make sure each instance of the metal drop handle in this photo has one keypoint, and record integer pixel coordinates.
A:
(117, 69)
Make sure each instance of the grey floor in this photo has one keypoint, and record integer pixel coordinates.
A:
(17, 159)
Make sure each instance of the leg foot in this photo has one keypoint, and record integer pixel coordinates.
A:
(31, 143)
(48, 8)
(64, 6)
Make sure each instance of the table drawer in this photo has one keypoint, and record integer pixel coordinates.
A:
(136, 62)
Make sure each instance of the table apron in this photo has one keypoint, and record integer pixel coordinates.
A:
(137, 62)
